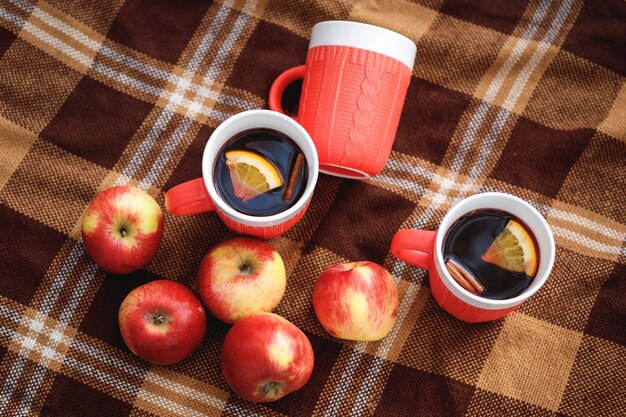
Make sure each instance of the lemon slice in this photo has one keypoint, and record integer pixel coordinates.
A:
(513, 250)
(251, 174)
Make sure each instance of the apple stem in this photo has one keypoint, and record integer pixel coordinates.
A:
(245, 269)
(158, 318)
(270, 386)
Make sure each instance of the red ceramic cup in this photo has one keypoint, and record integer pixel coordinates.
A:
(354, 84)
(200, 195)
(423, 248)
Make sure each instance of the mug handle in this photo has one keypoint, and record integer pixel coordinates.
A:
(281, 83)
(414, 247)
(188, 198)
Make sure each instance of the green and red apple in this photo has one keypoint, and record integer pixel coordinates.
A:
(241, 276)
(162, 322)
(265, 357)
(356, 301)
(122, 229)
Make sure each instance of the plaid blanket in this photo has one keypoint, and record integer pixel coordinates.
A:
(524, 98)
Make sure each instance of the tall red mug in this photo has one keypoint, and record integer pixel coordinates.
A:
(354, 85)
(424, 248)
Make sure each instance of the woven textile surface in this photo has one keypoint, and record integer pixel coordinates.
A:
(527, 98)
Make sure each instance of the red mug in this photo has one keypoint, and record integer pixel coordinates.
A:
(423, 248)
(200, 195)
(354, 84)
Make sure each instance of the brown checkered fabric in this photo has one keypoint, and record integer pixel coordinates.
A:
(527, 98)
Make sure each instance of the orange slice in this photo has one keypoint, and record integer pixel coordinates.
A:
(513, 250)
(251, 174)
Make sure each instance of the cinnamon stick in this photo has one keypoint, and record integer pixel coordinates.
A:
(464, 278)
(293, 177)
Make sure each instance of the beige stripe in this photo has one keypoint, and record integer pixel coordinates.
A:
(213, 53)
(523, 87)
(483, 90)
(615, 122)
(52, 186)
(11, 313)
(43, 84)
(281, 13)
(153, 153)
(55, 269)
(495, 83)
(493, 144)
(76, 46)
(409, 19)
(611, 245)
(549, 17)
(422, 181)
(511, 85)
(255, 9)
(73, 30)
(515, 72)
(54, 36)
(15, 11)
(165, 391)
(130, 88)
(533, 79)
(164, 406)
(567, 24)
(466, 131)
(449, 188)
(15, 142)
(189, 387)
(489, 142)
(531, 361)
(102, 376)
(194, 43)
(96, 14)
(580, 230)
(589, 222)
(70, 57)
(412, 300)
(38, 21)
(42, 339)
(160, 402)
(348, 362)
(53, 300)
(581, 244)
(531, 13)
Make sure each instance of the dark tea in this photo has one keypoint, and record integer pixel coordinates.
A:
(491, 253)
(260, 172)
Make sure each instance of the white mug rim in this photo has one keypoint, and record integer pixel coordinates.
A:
(546, 260)
(364, 36)
(217, 140)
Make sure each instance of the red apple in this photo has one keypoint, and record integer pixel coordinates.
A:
(162, 322)
(241, 276)
(356, 301)
(122, 229)
(265, 357)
